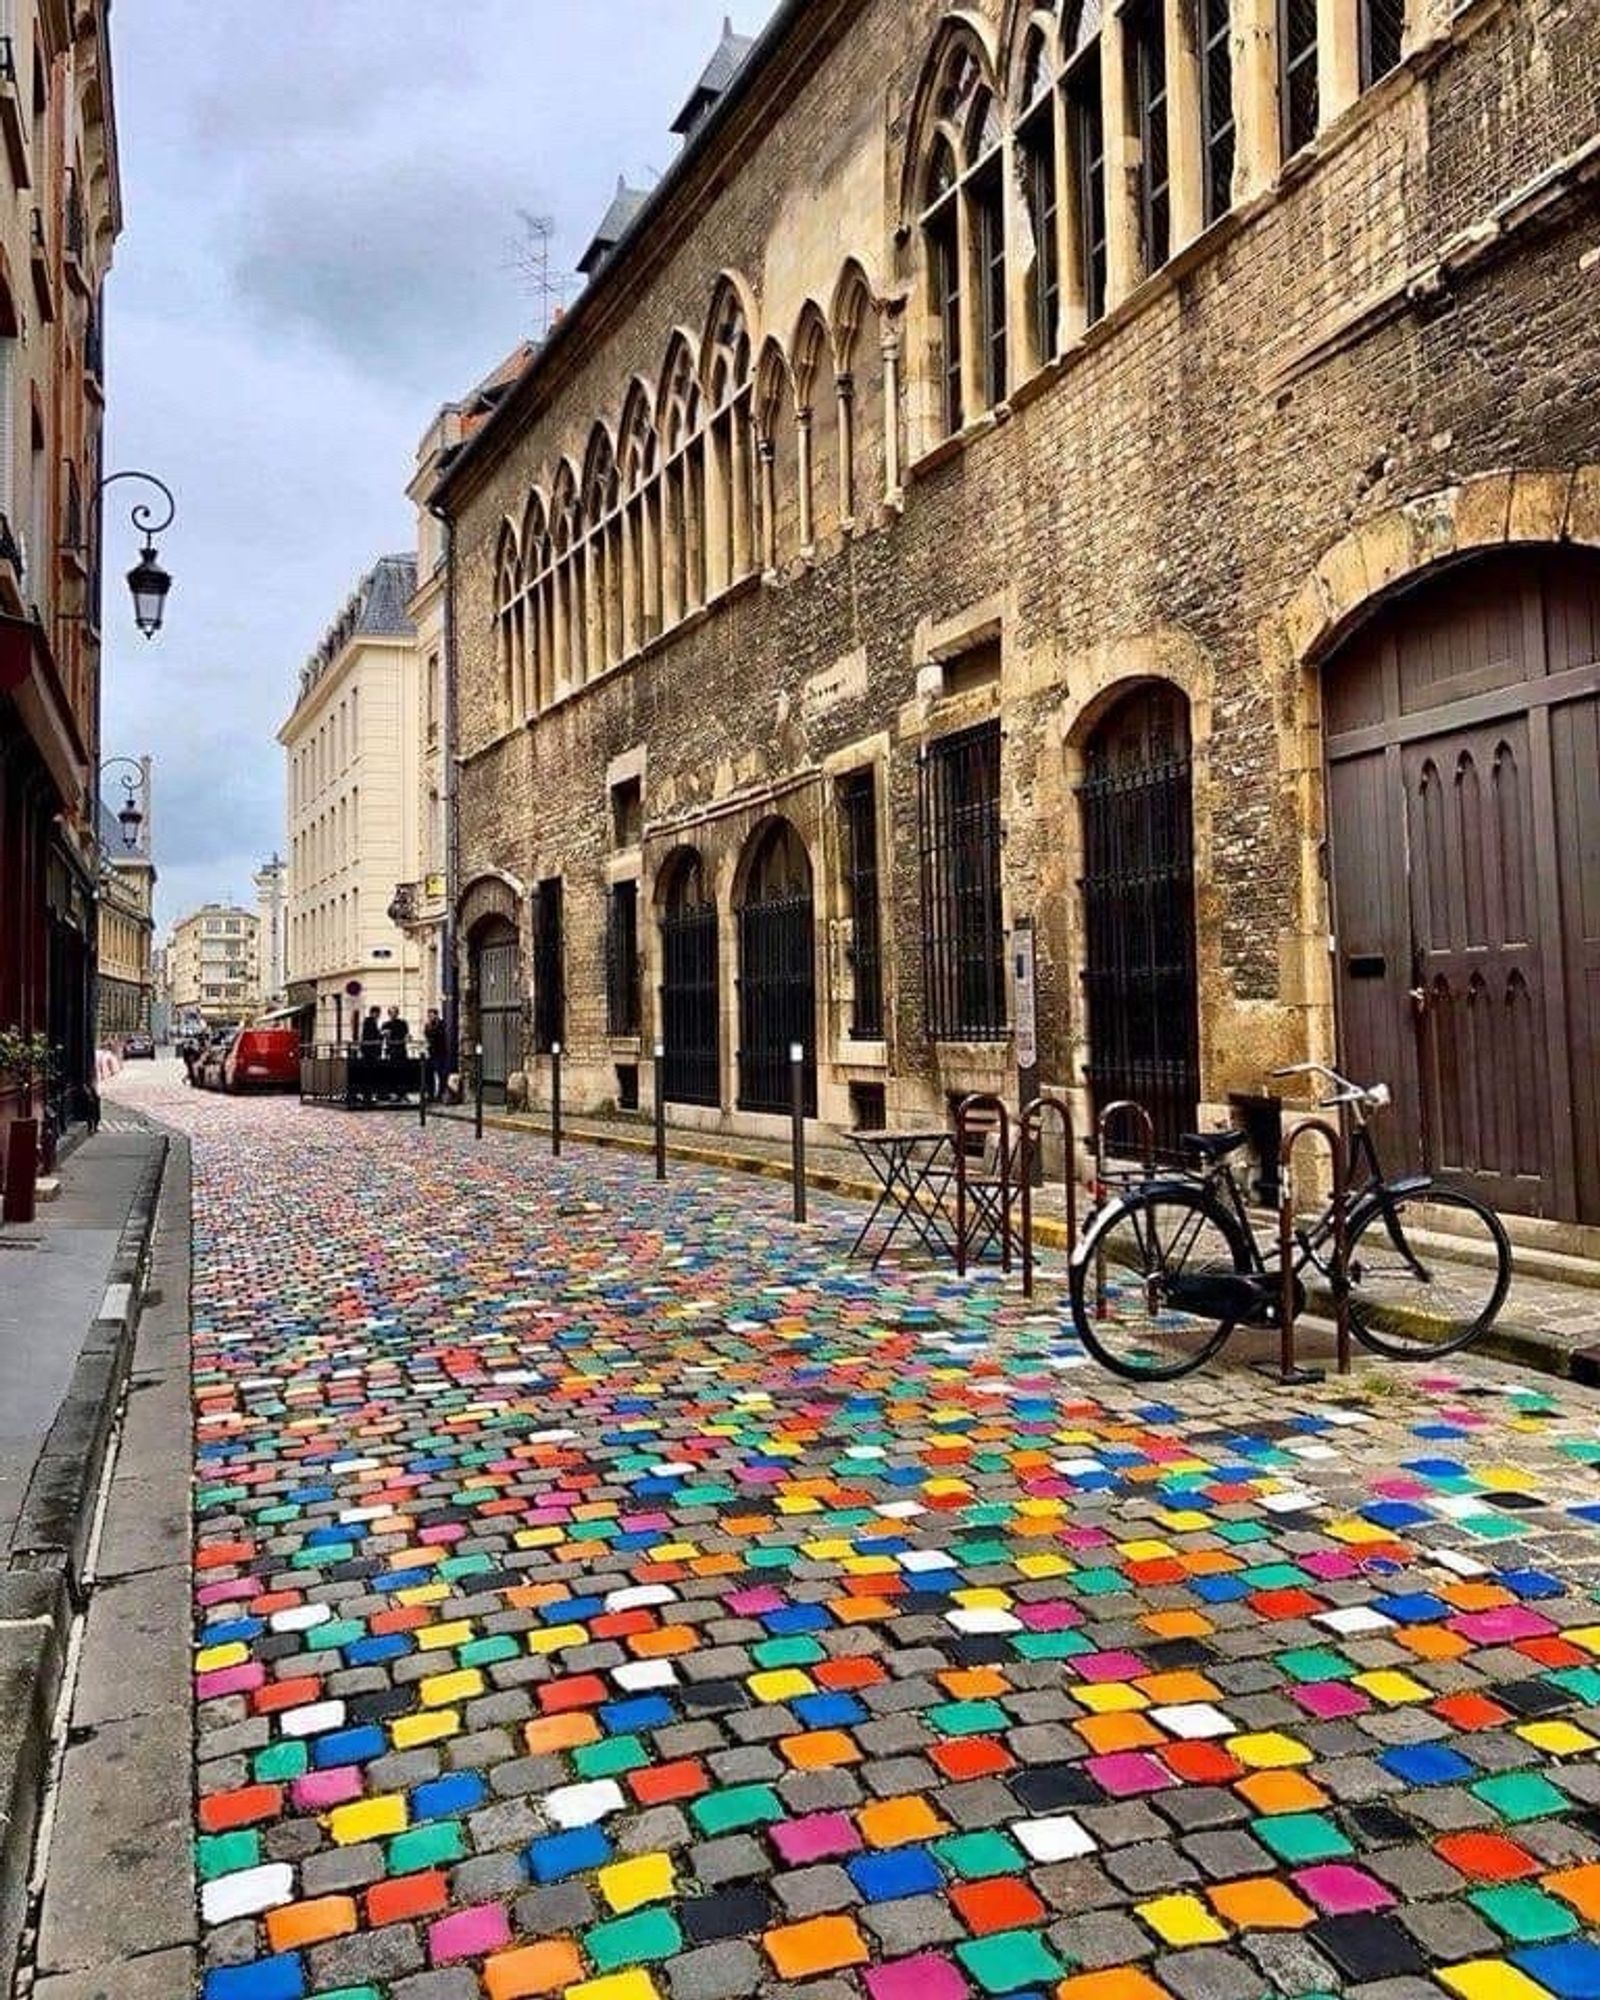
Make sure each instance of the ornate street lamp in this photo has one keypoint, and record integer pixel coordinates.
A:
(131, 816)
(148, 581)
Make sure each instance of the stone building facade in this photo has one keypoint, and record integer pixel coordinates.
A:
(211, 965)
(1119, 476)
(125, 930)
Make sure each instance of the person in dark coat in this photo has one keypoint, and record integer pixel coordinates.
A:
(436, 1038)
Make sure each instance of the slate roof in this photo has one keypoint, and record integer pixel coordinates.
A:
(714, 78)
(376, 610)
(625, 205)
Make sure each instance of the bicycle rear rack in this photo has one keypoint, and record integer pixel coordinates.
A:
(1287, 1277)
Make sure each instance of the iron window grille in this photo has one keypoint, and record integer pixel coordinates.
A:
(1216, 106)
(963, 939)
(1089, 153)
(1148, 49)
(858, 808)
(1297, 53)
(622, 959)
(1138, 894)
(1383, 34)
(549, 992)
(689, 998)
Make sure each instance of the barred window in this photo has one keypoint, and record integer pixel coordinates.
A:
(858, 808)
(622, 959)
(963, 940)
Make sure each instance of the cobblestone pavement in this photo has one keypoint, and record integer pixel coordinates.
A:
(605, 1592)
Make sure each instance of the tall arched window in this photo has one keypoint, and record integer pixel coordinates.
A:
(641, 519)
(566, 536)
(1038, 164)
(539, 644)
(777, 436)
(964, 235)
(729, 476)
(858, 361)
(508, 619)
(602, 554)
(941, 232)
(683, 485)
(817, 428)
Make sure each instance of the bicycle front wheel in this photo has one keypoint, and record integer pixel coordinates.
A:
(1428, 1270)
(1147, 1247)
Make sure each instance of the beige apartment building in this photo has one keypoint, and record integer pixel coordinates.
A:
(352, 751)
(211, 962)
(126, 927)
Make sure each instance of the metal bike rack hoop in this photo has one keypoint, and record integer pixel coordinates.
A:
(1030, 1122)
(1303, 1128)
(982, 1101)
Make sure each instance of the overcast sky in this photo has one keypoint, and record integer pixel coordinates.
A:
(319, 247)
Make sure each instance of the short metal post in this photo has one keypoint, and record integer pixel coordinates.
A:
(555, 1100)
(424, 1078)
(477, 1090)
(797, 1123)
(659, 1055)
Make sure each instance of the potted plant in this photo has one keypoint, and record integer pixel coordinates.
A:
(24, 1065)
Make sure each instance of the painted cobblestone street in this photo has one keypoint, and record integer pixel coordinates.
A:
(606, 1592)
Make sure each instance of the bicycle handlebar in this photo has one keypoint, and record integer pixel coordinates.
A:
(1369, 1097)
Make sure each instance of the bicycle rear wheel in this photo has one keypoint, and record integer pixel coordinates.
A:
(1122, 1281)
(1428, 1271)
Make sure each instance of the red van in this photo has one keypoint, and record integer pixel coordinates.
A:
(263, 1059)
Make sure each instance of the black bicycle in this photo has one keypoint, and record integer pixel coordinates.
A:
(1166, 1269)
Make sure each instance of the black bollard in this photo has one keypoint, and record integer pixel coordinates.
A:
(477, 1091)
(661, 1115)
(424, 1078)
(555, 1100)
(797, 1119)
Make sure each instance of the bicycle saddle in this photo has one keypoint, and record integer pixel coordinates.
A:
(1212, 1145)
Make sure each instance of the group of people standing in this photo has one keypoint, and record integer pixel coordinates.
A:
(385, 1037)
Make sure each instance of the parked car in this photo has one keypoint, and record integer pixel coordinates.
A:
(263, 1059)
(136, 1046)
(209, 1072)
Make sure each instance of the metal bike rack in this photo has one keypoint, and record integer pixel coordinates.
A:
(1287, 1370)
(1031, 1122)
(1097, 1192)
(982, 1101)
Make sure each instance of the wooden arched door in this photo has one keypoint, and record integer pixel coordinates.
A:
(1463, 743)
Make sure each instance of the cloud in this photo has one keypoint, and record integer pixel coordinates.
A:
(321, 204)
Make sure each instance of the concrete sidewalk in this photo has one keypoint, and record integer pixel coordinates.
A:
(1550, 1322)
(70, 1288)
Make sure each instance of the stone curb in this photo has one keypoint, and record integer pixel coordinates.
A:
(1520, 1346)
(42, 1591)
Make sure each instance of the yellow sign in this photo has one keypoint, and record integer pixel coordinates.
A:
(433, 888)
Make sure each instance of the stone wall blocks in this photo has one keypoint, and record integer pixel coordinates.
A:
(1583, 506)
(1538, 509)
(1431, 526)
(1483, 511)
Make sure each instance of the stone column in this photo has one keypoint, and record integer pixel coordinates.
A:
(769, 506)
(802, 453)
(1338, 59)
(1122, 164)
(1185, 139)
(844, 389)
(891, 417)
(1258, 150)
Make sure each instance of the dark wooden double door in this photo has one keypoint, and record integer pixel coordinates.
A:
(1463, 744)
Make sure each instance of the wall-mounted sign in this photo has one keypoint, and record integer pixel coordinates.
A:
(353, 988)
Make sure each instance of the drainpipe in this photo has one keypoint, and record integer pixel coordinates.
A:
(448, 969)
